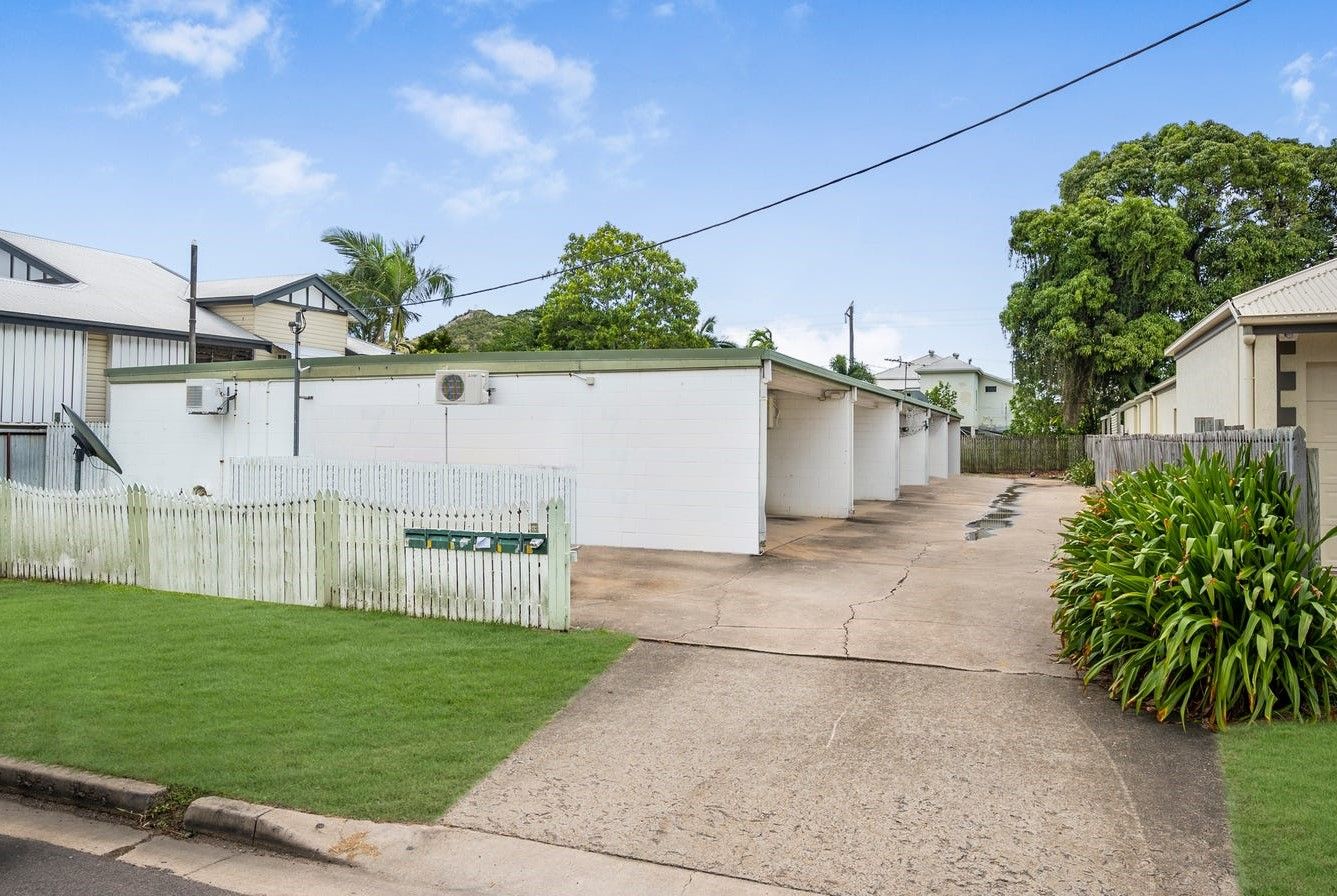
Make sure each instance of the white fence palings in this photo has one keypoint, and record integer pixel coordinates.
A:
(399, 484)
(322, 550)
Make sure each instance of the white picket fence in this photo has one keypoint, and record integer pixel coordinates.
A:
(325, 550)
(400, 484)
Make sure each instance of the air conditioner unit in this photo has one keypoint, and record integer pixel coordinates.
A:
(206, 397)
(462, 387)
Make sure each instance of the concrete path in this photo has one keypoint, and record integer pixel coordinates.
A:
(965, 761)
(898, 582)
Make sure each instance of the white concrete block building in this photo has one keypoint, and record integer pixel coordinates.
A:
(687, 450)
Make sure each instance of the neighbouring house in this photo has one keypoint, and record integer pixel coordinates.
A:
(69, 312)
(688, 449)
(983, 399)
(1266, 358)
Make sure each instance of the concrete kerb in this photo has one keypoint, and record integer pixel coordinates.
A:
(79, 788)
(343, 841)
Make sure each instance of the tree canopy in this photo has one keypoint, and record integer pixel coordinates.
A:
(384, 280)
(606, 298)
(1146, 238)
(943, 395)
(859, 370)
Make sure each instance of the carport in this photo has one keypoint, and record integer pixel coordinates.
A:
(828, 444)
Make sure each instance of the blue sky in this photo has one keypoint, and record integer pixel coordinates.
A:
(497, 128)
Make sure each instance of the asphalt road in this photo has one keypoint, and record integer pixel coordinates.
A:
(30, 868)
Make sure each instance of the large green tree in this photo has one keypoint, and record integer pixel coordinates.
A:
(1145, 239)
(385, 280)
(617, 290)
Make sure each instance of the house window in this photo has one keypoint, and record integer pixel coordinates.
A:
(990, 388)
(208, 354)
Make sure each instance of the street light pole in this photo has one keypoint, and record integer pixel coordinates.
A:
(297, 326)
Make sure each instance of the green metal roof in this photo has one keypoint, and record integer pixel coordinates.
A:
(369, 366)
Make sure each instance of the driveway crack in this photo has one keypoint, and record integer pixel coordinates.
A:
(854, 607)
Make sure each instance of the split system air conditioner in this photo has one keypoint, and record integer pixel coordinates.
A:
(207, 397)
(462, 387)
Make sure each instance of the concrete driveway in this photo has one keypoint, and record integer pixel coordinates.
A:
(898, 582)
(961, 761)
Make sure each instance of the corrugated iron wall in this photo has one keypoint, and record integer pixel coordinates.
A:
(40, 368)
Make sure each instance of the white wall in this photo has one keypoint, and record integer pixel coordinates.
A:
(1207, 380)
(40, 368)
(1166, 411)
(664, 459)
(877, 431)
(966, 384)
(936, 448)
(809, 459)
(995, 408)
(954, 448)
(914, 448)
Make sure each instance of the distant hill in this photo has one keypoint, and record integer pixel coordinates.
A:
(479, 330)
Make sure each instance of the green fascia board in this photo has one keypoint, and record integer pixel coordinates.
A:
(371, 366)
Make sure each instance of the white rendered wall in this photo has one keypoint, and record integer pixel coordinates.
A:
(664, 459)
(1207, 380)
(914, 449)
(954, 448)
(877, 431)
(936, 448)
(809, 457)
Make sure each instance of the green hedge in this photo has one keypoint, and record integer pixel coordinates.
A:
(1193, 590)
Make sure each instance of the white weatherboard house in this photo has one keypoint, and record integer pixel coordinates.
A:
(680, 449)
(68, 312)
(983, 399)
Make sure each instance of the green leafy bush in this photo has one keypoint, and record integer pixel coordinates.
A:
(1082, 471)
(1193, 589)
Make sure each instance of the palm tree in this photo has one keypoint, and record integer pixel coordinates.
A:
(707, 332)
(385, 281)
(761, 338)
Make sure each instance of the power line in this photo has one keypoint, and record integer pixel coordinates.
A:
(867, 168)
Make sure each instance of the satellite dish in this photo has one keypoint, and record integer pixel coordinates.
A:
(87, 444)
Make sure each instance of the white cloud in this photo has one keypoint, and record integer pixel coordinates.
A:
(523, 64)
(368, 10)
(797, 13)
(662, 10)
(483, 128)
(1298, 81)
(210, 36)
(479, 200)
(142, 94)
(818, 343)
(278, 173)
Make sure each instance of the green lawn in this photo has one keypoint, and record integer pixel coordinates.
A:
(339, 712)
(1281, 783)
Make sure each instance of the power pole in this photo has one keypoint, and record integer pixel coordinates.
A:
(849, 359)
(194, 275)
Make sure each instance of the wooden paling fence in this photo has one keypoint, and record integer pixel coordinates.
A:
(325, 550)
(1124, 454)
(400, 484)
(1019, 454)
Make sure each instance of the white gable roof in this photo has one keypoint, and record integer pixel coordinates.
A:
(113, 290)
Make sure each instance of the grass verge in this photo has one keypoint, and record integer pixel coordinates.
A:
(1283, 806)
(338, 712)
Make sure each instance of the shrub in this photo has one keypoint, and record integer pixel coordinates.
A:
(1082, 471)
(1193, 589)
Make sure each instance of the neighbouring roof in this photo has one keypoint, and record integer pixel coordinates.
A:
(266, 289)
(935, 363)
(363, 347)
(1308, 296)
(115, 291)
(512, 362)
